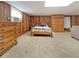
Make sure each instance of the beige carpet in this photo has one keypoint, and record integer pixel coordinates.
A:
(62, 45)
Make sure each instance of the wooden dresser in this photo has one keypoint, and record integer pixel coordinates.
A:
(7, 38)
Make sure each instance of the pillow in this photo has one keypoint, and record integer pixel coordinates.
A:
(33, 25)
(43, 25)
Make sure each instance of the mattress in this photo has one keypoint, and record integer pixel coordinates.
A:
(41, 29)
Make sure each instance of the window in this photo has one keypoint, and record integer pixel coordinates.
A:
(16, 15)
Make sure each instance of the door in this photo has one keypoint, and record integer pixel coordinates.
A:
(58, 23)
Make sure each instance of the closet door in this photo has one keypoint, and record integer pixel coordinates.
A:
(61, 23)
(58, 23)
(54, 23)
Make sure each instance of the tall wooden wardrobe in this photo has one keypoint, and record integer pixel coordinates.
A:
(58, 23)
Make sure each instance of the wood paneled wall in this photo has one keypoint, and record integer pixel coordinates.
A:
(23, 26)
(74, 20)
(5, 12)
(77, 20)
(55, 22)
(25, 22)
(41, 20)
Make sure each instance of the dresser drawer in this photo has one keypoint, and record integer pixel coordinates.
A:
(7, 29)
(6, 34)
(7, 46)
(6, 40)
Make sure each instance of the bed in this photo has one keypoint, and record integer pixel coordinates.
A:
(43, 29)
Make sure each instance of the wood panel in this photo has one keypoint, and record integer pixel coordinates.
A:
(41, 20)
(27, 23)
(35, 20)
(7, 12)
(4, 12)
(58, 23)
(1, 11)
(24, 22)
(77, 20)
(73, 20)
(44, 20)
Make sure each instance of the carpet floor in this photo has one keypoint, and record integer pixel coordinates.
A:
(61, 46)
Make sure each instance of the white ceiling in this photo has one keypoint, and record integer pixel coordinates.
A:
(38, 8)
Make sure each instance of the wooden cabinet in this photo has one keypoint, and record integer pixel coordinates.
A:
(4, 12)
(58, 23)
(7, 38)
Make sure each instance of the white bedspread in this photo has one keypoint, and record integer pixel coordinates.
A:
(42, 29)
